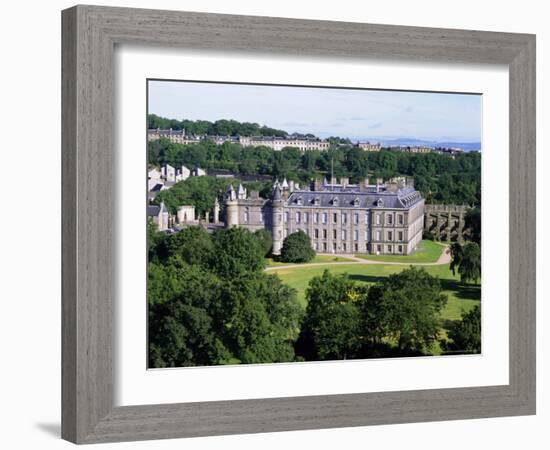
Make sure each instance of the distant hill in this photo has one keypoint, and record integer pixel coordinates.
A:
(411, 142)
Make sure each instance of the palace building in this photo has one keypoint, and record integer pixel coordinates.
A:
(340, 218)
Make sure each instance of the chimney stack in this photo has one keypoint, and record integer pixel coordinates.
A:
(344, 181)
(317, 184)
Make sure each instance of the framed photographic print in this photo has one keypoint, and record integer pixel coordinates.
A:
(267, 230)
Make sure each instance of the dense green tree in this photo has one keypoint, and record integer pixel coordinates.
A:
(261, 318)
(236, 251)
(465, 334)
(192, 244)
(441, 178)
(456, 257)
(404, 308)
(266, 242)
(472, 225)
(470, 266)
(466, 260)
(297, 248)
(331, 326)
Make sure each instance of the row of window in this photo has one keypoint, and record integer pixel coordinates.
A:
(323, 234)
(324, 247)
(304, 217)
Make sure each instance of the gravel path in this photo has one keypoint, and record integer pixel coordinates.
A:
(444, 258)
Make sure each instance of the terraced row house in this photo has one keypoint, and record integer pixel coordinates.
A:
(340, 218)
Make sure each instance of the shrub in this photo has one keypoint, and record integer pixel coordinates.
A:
(297, 248)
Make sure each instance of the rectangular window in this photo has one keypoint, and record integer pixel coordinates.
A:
(378, 235)
(335, 218)
(389, 248)
(306, 217)
(316, 233)
(298, 217)
(356, 235)
(286, 217)
(399, 235)
(286, 232)
(356, 218)
(334, 246)
(334, 234)
(344, 235)
(389, 217)
(378, 248)
(344, 218)
(377, 219)
(316, 218)
(400, 219)
(246, 217)
(324, 234)
(366, 218)
(344, 247)
(356, 247)
(390, 236)
(325, 217)
(400, 248)
(366, 236)
(324, 246)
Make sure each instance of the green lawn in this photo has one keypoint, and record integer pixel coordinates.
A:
(427, 252)
(460, 296)
(270, 262)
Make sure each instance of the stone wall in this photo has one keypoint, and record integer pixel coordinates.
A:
(445, 222)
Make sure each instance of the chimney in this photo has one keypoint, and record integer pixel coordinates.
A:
(378, 184)
(333, 181)
(317, 184)
(344, 181)
(291, 186)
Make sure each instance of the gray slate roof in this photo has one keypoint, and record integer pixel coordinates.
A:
(153, 210)
(347, 197)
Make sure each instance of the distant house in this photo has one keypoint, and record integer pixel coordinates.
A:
(198, 172)
(368, 147)
(186, 214)
(159, 215)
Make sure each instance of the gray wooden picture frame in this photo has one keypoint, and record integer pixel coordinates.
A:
(90, 34)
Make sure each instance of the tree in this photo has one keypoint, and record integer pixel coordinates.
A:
(259, 318)
(466, 260)
(456, 257)
(192, 244)
(266, 242)
(465, 334)
(470, 266)
(181, 331)
(472, 224)
(331, 326)
(236, 250)
(404, 308)
(297, 248)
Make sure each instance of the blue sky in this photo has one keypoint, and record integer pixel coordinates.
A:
(357, 114)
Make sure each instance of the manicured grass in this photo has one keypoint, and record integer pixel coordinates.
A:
(460, 296)
(427, 252)
(270, 262)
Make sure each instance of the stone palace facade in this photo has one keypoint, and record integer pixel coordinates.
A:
(340, 218)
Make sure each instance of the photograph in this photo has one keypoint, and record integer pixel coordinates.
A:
(295, 224)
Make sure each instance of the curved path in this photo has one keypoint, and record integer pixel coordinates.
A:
(444, 258)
